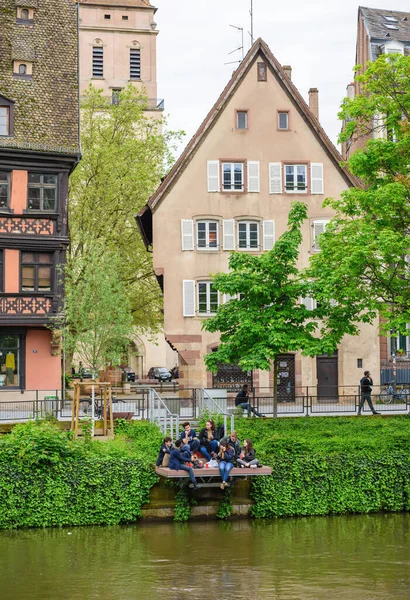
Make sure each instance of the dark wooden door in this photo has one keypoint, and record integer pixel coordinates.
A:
(286, 378)
(327, 377)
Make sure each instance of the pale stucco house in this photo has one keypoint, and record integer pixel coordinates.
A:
(259, 148)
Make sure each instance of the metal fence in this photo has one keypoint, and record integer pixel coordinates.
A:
(186, 404)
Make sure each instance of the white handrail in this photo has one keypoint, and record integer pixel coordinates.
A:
(206, 401)
(159, 413)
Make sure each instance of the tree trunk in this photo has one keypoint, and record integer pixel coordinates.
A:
(275, 387)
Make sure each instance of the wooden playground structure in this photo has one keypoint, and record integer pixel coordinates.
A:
(98, 389)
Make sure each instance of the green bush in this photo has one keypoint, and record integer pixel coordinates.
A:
(48, 479)
(330, 465)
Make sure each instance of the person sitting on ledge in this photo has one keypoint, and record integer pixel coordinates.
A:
(207, 440)
(242, 401)
(225, 458)
(177, 461)
(247, 456)
(233, 441)
(189, 439)
(164, 453)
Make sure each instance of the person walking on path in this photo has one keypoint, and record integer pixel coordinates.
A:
(242, 401)
(366, 383)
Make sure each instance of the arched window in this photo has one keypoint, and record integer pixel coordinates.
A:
(24, 14)
(22, 69)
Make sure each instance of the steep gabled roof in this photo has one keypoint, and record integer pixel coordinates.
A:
(386, 24)
(259, 50)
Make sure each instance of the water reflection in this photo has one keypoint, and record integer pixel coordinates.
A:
(354, 557)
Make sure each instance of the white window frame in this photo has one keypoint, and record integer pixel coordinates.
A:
(248, 236)
(283, 112)
(207, 247)
(295, 190)
(232, 187)
(324, 222)
(242, 112)
(208, 285)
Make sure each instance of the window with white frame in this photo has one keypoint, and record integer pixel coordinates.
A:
(233, 176)
(248, 235)
(4, 120)
(208, 298)
(318, 227)
(207, 235)
(242, 119)
(296, 178)
(283, 120)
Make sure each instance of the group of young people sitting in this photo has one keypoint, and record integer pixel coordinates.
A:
(213, 446)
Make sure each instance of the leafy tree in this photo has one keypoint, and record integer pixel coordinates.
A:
(268, 319)
(125, 155)
(97, 317)
(363, 262)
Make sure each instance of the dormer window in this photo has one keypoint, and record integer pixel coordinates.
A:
(6, 117)
(25, 16)
(22, 69)
(393, 47)
(4, 120)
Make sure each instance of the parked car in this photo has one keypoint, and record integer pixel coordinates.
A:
(86, 374)
(128, 373)
(160, 373)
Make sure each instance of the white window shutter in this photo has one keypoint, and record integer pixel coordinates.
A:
(213, 175)
(253, 176)
(228, 227)
(227, 297)
(275, 178)
(188, 298)
(316, 178)
(318, 228)
(187, 234)
(268, 234)
(307, 302)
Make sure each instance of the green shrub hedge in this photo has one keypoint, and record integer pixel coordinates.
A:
(331, 465)
(320, 466)
(48, 479)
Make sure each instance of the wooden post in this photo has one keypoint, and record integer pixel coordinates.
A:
(111, 413)
(77, 410)
(105, 408)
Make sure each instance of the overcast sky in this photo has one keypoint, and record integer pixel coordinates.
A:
(316, 38)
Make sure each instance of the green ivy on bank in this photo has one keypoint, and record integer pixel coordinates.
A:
(47, 479)
(331, 465)
(319, 466)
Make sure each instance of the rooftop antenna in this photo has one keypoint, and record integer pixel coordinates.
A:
(251, 13)
(237, 49)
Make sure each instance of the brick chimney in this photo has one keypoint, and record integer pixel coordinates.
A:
(288, 70)
(314, 101)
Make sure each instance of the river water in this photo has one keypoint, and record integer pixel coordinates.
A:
(332, 558)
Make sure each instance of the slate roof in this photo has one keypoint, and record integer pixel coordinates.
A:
(375, 22)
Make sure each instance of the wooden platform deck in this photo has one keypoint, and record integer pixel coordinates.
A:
(210, 473)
